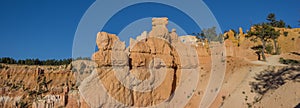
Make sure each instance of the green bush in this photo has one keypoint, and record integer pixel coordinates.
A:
(289, 61)
(269, 48)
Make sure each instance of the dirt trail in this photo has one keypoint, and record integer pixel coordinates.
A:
(238, 85)
(271, 61)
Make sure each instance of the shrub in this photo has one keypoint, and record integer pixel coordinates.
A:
(269, 48)
(223, 98)
(285, 33)
(288, 61)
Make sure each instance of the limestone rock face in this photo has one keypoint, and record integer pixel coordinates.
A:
(231, 35)
(241, 31)
(145, 74)
(144, 35)
(241, 36)
(157, 59)
(50, 101)
(146, 57)
(76, 101)
(174, 36)
(105, 42)
(289, 43)
(188, 39)
(82, 69)
(156, 70)
(159, 28)
(236, 39)
(243, 51)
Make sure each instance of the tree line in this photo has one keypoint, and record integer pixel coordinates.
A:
(9, 60)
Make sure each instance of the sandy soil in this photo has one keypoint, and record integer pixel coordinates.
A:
(236, 91)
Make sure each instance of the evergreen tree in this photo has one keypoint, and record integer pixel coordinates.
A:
(272, 19)
(262, 32)
(273, 33)
(273, 22)
(8, 60)
(274, 36)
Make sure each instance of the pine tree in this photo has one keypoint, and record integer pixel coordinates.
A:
(273, 33)
(262, 32)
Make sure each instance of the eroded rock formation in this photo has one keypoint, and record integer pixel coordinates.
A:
(156, 69)
(146, 73)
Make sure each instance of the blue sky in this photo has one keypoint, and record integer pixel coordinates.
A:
(45, 29)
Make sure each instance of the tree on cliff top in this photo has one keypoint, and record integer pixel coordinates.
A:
(262, 32)
(275, 34)
(271, 17)
(210, 34)
(273, 22)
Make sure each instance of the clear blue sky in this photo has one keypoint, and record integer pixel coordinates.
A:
(45, 29)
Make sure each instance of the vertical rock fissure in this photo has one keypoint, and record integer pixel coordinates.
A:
(130, 63)
(174, 83)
